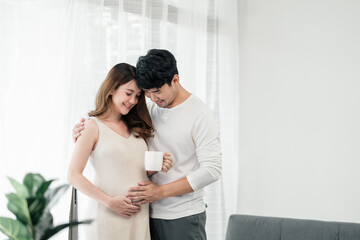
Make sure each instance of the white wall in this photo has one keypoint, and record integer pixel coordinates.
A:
(300, 109)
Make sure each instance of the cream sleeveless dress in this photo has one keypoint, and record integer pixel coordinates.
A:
(118, 164)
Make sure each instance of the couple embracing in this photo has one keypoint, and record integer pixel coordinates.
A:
(121, 128)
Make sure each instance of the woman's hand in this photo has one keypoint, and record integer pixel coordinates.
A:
(123, 206)
(167, 162)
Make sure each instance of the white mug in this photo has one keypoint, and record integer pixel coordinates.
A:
(153, 160)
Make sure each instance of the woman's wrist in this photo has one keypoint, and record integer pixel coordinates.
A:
(106, 201)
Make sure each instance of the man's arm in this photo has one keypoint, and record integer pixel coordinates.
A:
(205, 134)
(148, 191)
(76, 132)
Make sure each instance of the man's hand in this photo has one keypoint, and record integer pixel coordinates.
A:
(122, 206)
(167, 162)
(76, 132)
(146, 192)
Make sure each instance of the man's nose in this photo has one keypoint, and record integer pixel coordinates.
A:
(153, 97)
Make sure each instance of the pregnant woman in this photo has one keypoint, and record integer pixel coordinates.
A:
(114, 141)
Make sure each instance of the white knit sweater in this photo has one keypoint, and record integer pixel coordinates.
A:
(190, 133)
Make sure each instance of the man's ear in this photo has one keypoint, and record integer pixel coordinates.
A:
(175, 80)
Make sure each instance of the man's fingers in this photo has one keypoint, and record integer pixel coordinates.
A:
(170, 161)
(166, 165)
(142, 202)
(79, 129)
(136, 189)
(137, 198)
(140, 186)
(130, 195)
(76, 133)
(144, 183)
(139, 201)
(136, 203)
(76, 126)
(76, 136)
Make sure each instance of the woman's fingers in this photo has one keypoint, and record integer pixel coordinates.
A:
(128, 201)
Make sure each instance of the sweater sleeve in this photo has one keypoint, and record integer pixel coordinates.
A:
(206, 136)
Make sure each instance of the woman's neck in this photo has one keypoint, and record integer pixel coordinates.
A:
(111, 116)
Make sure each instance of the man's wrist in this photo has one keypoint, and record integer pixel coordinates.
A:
(162, 192)
(150, 173)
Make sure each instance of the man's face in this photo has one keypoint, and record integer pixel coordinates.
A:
(163, 96)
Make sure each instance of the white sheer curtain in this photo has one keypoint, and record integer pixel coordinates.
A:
(55, 54)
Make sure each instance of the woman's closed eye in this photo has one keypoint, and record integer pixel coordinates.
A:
(129, 94)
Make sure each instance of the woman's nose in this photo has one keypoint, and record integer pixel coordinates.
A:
(133, 100)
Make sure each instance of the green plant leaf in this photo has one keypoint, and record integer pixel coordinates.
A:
(14, 229)
(53, 195)
(18, 206)
(36, 208)
(20, 189)
(43, 188)
(33, 182)
(51, 232)
(45, 223)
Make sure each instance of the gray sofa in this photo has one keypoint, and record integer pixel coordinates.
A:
(244, 227)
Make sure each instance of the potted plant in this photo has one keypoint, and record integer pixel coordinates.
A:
(31, 204)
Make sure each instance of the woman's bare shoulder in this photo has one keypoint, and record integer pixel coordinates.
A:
(90, 126)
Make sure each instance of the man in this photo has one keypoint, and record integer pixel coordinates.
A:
(185, 127)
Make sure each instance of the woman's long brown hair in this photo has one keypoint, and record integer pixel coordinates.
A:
(138, 119)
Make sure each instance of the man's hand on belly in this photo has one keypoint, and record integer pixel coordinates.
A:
(145, 192)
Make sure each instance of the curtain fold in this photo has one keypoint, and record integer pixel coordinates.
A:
(55, 56)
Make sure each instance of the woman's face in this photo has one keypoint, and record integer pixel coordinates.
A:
(125, 97)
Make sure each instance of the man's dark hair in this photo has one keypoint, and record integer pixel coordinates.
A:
(155, 69)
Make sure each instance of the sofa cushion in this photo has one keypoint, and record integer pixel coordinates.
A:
(253, 228)
(295, 229)
(349, 231)
(245, 227)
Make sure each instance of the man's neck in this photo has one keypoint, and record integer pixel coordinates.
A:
(181, 97)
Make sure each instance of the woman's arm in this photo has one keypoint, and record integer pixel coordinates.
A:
(83, 148)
